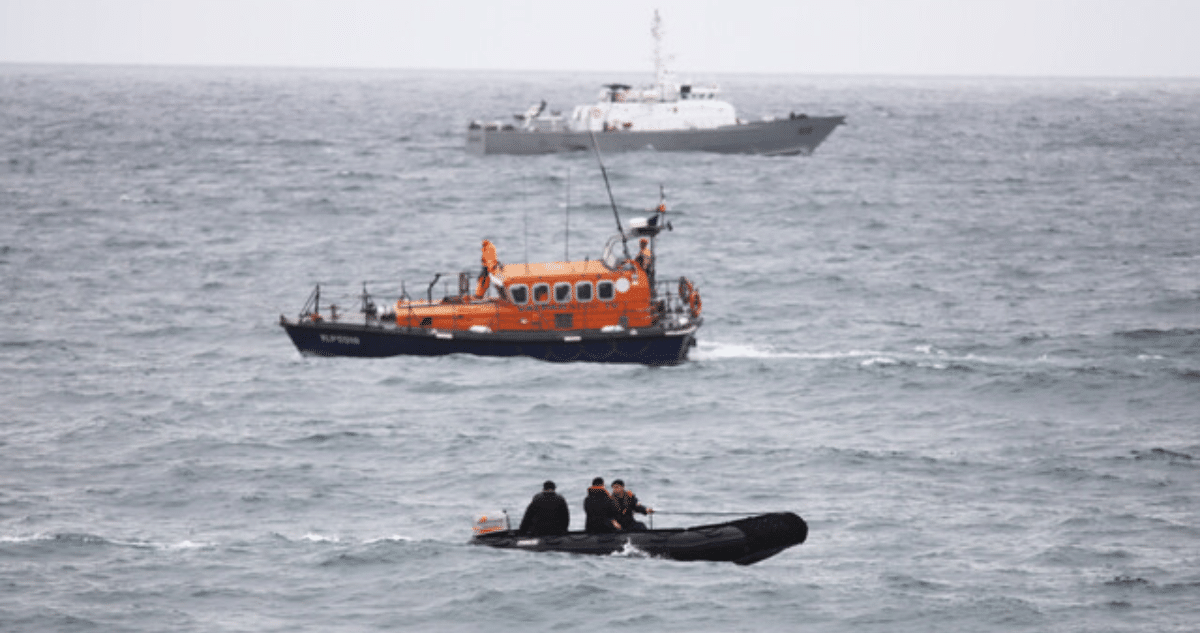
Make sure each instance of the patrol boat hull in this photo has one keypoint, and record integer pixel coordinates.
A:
(743, 542)
(654, 345)
(780, 137)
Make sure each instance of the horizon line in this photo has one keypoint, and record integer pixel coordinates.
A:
(727, 73)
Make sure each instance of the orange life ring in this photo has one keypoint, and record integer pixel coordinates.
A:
(689, 296)
(685, 289)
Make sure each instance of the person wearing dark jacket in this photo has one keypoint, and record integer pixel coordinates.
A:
(547, 513)
(600, 509)
(627, 504)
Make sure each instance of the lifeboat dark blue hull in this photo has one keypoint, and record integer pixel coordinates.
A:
(743, 542)
(649, 346)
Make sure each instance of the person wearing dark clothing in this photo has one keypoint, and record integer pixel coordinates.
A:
(627, 504)
(645, 259)
(547, 514)
(600, 509)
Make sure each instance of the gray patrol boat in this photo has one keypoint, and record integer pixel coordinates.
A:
(667, 117)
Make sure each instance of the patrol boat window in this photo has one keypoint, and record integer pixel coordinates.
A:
(519, 294)
(541, 293)
(604, 291)
(583, 291)
(562, 292)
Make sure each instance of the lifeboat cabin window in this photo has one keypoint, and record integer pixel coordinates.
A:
(604, 291)
(562, 292)
(583, 291)
(541, 293)
(519, 294)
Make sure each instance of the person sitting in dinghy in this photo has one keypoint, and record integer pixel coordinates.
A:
(600, 508)
(627, 504)
(547, 514)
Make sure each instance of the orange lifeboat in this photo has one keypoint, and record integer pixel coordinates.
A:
(604, 310)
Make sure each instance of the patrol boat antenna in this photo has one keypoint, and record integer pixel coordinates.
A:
(612, 201)
(660, 62)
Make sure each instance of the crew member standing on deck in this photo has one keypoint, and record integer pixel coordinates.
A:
(645, 259)
(600, 509)
(547, 513)
(491, 269)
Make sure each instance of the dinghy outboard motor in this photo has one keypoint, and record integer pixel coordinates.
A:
(490, 522)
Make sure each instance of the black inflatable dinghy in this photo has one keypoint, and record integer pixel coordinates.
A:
(743, 542)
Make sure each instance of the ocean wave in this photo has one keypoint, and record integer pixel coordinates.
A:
(347, 541)
(84, 539)
(1153, 334)
(907, 582)
(879, 361)
(1162, 454)
(1189, 375)
(323, 438)
(320, 538)
(1138, 583)
(364, 175)
(395, 538)
(187, 545)
(439, 387)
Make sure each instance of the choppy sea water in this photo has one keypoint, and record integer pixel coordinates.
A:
(962, 340)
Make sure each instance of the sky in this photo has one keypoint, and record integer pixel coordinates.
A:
(1030, 38)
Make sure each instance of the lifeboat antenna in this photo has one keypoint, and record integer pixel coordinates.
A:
(525, 221)
(567, 221)
(612, 201)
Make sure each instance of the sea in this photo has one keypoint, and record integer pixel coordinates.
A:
(961, 340)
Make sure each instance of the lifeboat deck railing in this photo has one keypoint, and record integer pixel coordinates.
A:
(665, 304)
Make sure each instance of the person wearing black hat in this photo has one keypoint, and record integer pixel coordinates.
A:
(627, 504)
(600, 509)
(547, 513)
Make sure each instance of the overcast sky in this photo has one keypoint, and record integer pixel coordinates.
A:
(1088, 38)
